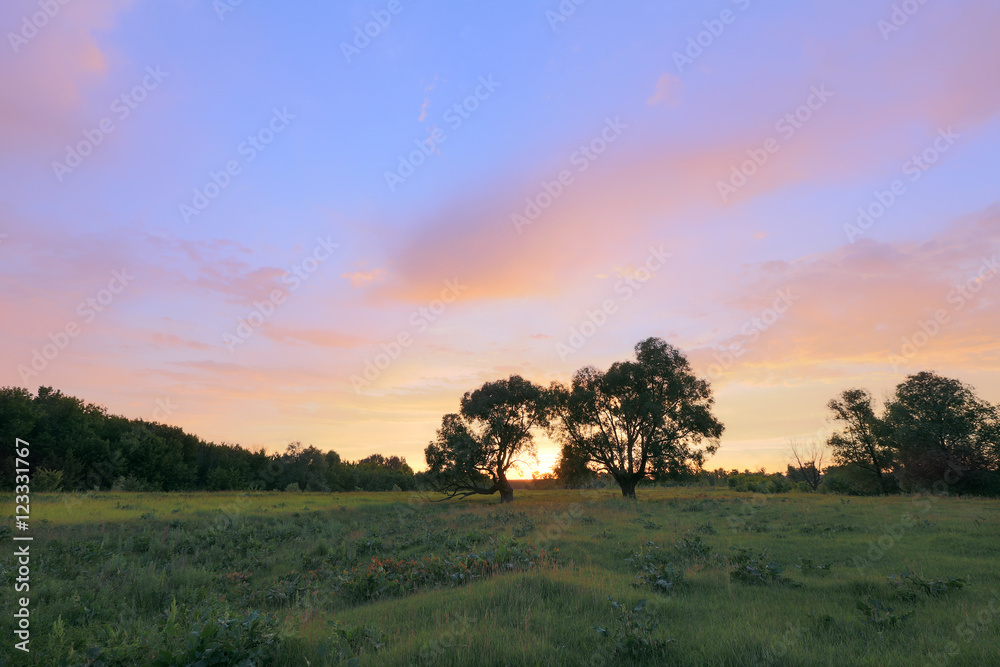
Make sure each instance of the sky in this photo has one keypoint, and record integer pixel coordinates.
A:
(324, 223)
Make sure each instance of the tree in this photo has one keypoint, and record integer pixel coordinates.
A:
(861, 441)
(571, 469)
(941, 431)
(638, 419)
(808, 463)
(474, 449)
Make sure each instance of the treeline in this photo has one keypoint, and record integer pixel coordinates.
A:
(933, 434)
(78, 446)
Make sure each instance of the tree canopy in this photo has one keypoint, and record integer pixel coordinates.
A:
(475, 448)
(940, 430)
(643, 418)
(861, 441)
(934, 433)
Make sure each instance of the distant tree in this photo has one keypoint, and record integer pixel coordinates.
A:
(572, 469)
(639, 418)
(807, 463)
(941, 431)
(383, 473)
(861, 441)
(853, 481)
(387, 462)
(475, 448)
(759, 482)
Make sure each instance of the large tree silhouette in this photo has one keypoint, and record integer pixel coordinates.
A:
(638, 419)
(475, 448)
(941, 431)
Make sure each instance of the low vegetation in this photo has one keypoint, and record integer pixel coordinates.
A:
(269, 578)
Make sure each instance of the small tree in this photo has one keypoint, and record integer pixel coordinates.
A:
(861, 441)
(572, 469)
(807, 463)
(639, 418)
(474, 449)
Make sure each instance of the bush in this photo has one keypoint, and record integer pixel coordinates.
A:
(134, 484)
(217, 639)
(692, 549)
(663, 577)
(880, 616)
(634, 636)
(758, 482)
(293, 488)
(853, 481)
(749, 568)
(46, 481)
(909, 584)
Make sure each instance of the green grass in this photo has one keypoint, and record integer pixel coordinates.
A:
(131, 576)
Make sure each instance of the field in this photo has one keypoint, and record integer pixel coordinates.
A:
(314, 579)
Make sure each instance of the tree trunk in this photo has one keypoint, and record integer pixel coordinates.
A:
(627, 483)
(506, 491)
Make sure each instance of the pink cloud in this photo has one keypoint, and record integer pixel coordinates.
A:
(858, 306)
(44, 84)
(668, 91)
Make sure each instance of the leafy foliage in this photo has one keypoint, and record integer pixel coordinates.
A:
(809, 565)
(909, 584)
(246, 641)
(78, 446)
(755, 568)
(639, 419)
(392, 577)
(633, 638)
(657, 569)
(759, 483)
(879, 615)
(692, 549)
(475, 448)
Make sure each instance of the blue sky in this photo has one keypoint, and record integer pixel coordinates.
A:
(554, 87)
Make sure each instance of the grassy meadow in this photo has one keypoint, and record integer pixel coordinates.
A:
(387, 579)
